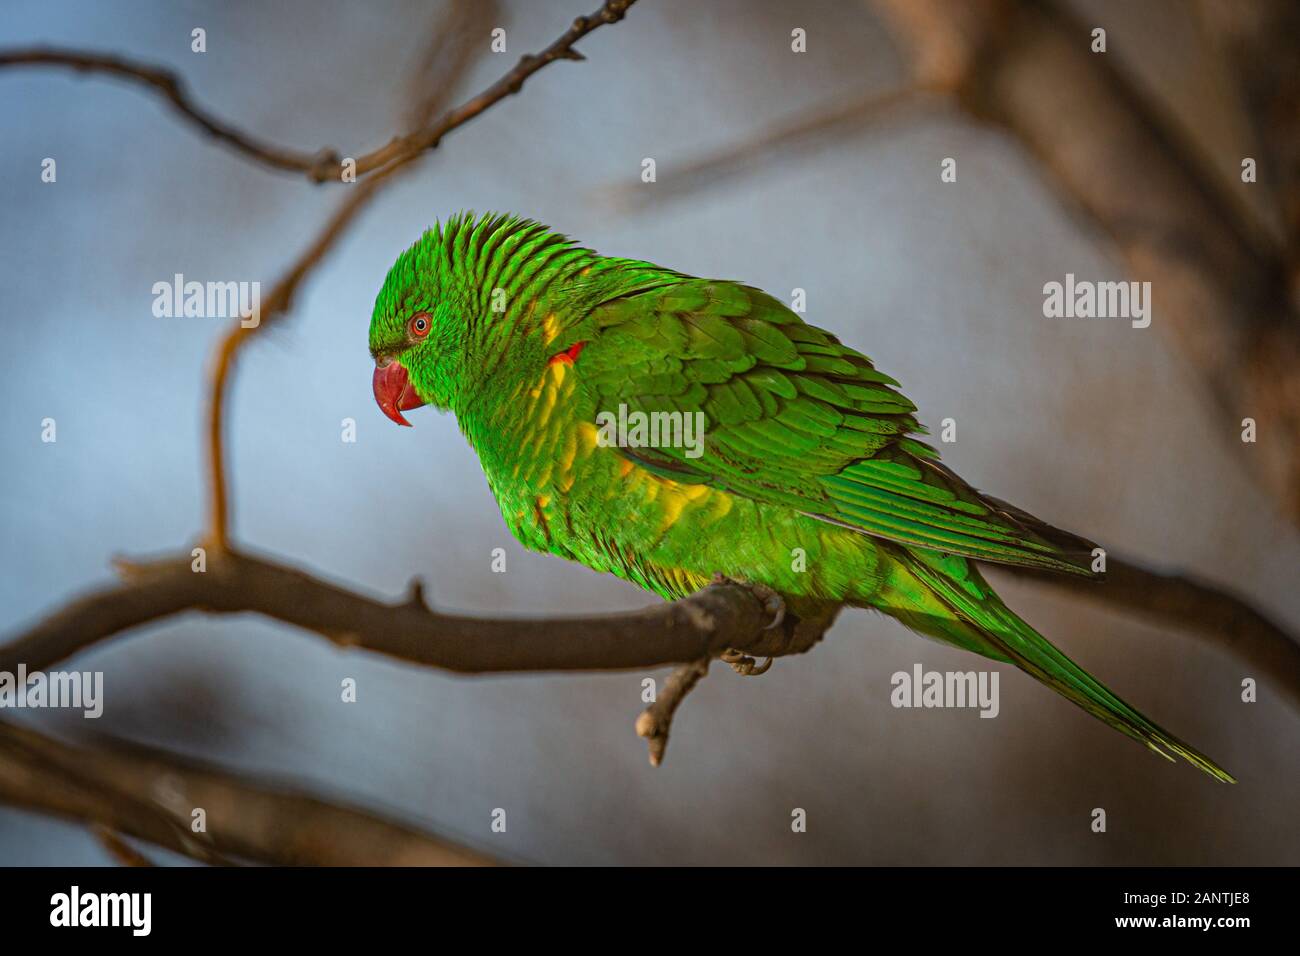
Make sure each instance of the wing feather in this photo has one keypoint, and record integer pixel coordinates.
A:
(793, 417)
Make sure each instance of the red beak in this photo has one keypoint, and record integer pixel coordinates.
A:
(393, 391)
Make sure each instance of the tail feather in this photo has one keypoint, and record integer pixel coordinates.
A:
(958, 586)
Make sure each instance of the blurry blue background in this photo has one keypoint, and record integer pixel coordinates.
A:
(1093, 425)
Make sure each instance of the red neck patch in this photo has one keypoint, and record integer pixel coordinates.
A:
(568, 356)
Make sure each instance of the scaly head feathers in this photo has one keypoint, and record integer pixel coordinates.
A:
(450, 303)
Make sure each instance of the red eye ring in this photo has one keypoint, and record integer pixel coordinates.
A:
(419, 325)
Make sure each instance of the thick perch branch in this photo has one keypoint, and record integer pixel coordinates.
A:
(150, 795)
(704, 624)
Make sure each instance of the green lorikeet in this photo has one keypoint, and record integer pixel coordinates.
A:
(780, 438)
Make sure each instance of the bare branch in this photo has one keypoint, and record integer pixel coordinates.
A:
(319, 166)
(404, 148)
(802, 133)
(326, 164)
(704, 624)
(656, 720)
(151, 795)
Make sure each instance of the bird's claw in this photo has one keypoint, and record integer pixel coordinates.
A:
(740, 662)
(772, 602)
(743, 664)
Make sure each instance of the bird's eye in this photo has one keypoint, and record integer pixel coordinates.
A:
(419, 325)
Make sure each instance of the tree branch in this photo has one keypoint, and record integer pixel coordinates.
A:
(326, 164)
(151, 795)
(704, 624)
(800, 133)
(319, 166)
(447, 58)
(278, 302)
(656, 720)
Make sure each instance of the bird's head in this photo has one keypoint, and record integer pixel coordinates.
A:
(443, 317)
(417, 332)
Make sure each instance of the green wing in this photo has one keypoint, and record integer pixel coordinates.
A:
(792, 417)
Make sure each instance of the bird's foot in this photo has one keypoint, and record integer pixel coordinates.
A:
(774, 604)
(743, 664)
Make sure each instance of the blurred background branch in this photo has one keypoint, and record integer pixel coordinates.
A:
(151, 795)
(320, 166)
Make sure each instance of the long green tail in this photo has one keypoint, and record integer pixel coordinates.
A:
(956, 604)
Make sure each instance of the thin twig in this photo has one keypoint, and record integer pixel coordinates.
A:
(278, 302)
(319, 166)
(403, 148)
(802, 132)
(657, 719)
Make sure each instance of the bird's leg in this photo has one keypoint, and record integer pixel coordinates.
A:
(774, 604)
